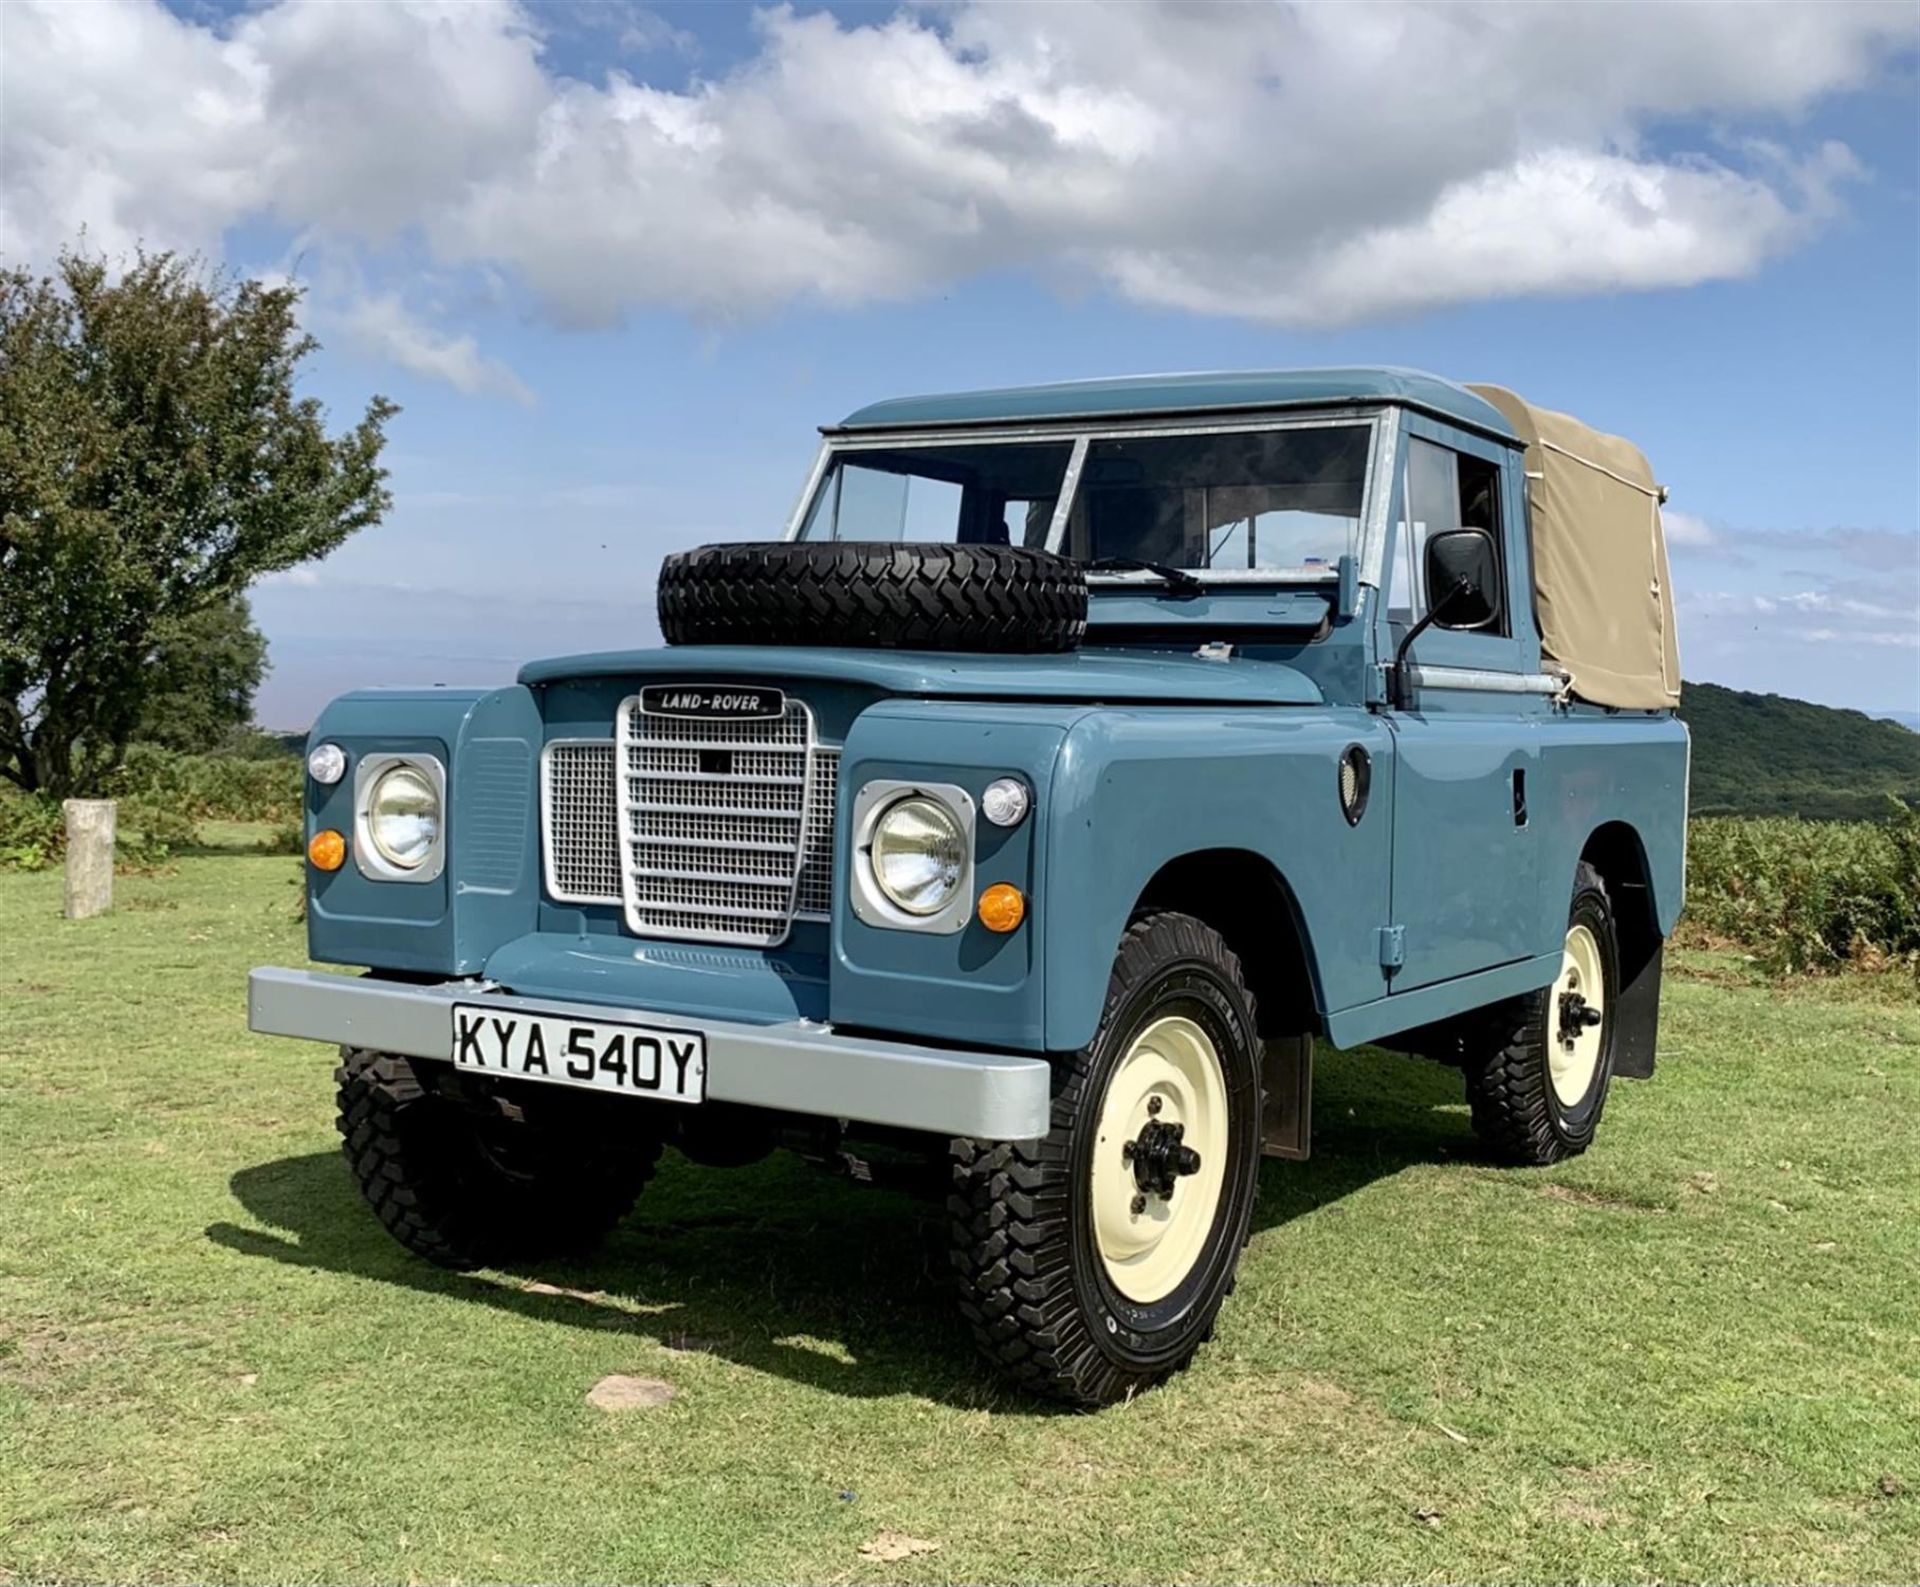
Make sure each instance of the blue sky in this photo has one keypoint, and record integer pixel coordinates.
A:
(616, 263)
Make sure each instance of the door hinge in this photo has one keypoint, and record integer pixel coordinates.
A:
(1393, 947)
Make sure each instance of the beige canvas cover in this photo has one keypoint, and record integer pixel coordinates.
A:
(1600, 581)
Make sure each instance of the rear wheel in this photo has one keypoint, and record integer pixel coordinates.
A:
(1093, 1261)
(1537, 1079)
(467, 1176)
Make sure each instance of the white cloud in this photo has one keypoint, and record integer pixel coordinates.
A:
(1687, 529)
(382, 324)
(1838, 589)
(632, 29)
(1904, 639)
(1300, 165)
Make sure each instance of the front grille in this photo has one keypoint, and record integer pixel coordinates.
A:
(581, 821)
(724, 829)
(813, 897)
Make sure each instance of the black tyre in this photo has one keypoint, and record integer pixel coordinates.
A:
(1083, 1272)
(1537, 1081)
(475, 1178)
(873, 595)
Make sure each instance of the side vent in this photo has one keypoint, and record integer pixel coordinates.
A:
(494, 782)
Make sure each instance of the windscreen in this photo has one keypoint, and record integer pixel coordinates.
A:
(983, 494)
(1253, 501)
(1240, 502)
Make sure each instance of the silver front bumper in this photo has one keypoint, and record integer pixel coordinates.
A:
(796, 1068)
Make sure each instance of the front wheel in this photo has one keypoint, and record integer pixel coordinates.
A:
(470, 1177)
(1538, 1082)
(1093, 1261)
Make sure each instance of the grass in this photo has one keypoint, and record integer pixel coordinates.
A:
(1691, 1354)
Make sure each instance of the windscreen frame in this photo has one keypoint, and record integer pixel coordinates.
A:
(1376, 489)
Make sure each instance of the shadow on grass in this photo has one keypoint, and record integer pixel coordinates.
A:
(786, 1270)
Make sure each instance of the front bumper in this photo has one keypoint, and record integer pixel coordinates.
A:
(794, 1067)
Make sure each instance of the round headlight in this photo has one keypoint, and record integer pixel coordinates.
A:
(326, 764)
(403, 817)
(918, 855)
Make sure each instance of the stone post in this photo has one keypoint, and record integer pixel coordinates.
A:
(90, 824)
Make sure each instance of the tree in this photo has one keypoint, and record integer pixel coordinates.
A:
(207, 668)
(154, 460)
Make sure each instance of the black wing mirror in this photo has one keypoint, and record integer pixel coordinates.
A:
(1463, 578)
(1463, 591)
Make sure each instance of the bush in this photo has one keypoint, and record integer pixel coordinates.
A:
(289, 837)
(163, 797)
(1809, 896)
(212, 787)
(33, 832)
(147, 835)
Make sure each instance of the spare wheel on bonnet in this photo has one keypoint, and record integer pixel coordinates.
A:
(873, 594)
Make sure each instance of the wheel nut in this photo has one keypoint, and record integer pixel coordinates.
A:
(1153, 1104)
(1139, 1205)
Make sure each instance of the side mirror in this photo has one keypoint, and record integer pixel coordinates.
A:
(1463, 591)
(1463, 579)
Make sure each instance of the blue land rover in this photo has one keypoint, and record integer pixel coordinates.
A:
(1082, 755)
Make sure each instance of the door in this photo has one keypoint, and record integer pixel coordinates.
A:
(1467, 743)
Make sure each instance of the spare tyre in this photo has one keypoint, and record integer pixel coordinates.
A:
(873, 594)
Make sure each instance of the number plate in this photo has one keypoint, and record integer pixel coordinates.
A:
(601, 1054)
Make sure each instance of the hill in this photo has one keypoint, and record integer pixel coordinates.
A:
(1763, 754)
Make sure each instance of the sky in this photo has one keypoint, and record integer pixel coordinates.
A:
(617, 262)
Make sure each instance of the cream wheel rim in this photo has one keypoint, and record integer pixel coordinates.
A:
(1170, 1076)
(1573, 1054)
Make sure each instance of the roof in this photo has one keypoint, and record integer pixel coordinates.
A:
(1201, 392)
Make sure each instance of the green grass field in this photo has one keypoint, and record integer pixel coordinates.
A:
(1692, 1354)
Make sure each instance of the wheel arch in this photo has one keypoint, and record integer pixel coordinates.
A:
(1242, 895)
(1615, 849)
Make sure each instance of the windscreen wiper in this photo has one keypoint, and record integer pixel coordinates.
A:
(1178, 580)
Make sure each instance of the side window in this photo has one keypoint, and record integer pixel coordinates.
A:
(1444, 490)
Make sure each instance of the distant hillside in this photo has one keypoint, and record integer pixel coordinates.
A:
(1762, 754)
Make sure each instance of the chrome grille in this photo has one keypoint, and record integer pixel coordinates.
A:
(814, 896)
(721, 824)
(580, 814)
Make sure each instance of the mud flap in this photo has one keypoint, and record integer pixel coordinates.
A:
(1286, 1075)
(1637, 1013)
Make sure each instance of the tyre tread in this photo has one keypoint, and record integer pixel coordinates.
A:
(1507, 1077)
(397, 1136)
(1008, 599)
(1010, 1210)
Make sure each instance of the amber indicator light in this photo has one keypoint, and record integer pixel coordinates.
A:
(1002, 908)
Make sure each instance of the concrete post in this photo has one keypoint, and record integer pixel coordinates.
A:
(90, 826)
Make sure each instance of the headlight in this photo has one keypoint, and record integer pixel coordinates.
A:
(403, 816)
(919, 855)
